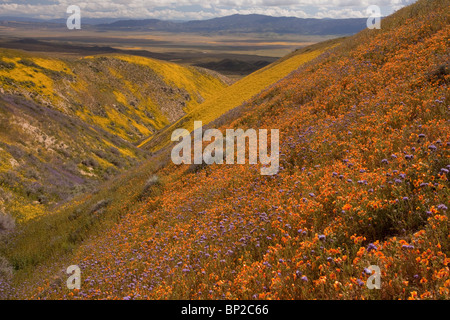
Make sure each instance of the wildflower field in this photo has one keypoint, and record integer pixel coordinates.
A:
(363, 180)
(69, 122)
(236, 94)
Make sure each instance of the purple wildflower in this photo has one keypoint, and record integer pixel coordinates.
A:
(371, 247)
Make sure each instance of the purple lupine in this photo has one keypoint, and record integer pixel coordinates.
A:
(367, 271)
(371, 247)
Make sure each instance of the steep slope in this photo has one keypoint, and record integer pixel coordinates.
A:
(42, 163)
(365, 150)
(128, 96)
(68, 123)
(236, 94)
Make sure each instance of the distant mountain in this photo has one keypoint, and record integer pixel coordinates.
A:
(19, 19)
(237, 23)
(146, 24)
(91, 21)
(246, 24)
(261, 23)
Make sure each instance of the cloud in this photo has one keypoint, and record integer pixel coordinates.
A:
(197, 9)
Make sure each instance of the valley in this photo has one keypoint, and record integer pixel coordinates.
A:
(87, 177)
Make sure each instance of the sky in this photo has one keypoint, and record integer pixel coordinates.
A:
(197, 9)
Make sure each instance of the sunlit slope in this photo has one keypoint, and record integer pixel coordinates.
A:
(68, 123)
(200, 84)
(130, 97)
(363, 180)
(237, 94)
(47, 156)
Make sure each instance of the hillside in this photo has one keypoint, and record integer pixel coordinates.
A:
(365, 157)
(148, 94)
(107, 102)
(226, 63)
(238, 93)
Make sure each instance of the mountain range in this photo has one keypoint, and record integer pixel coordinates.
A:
(237, 23)
(246, 24)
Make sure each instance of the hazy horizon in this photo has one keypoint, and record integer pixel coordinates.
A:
(187, 10)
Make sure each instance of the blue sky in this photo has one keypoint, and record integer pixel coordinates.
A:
(197, 9)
